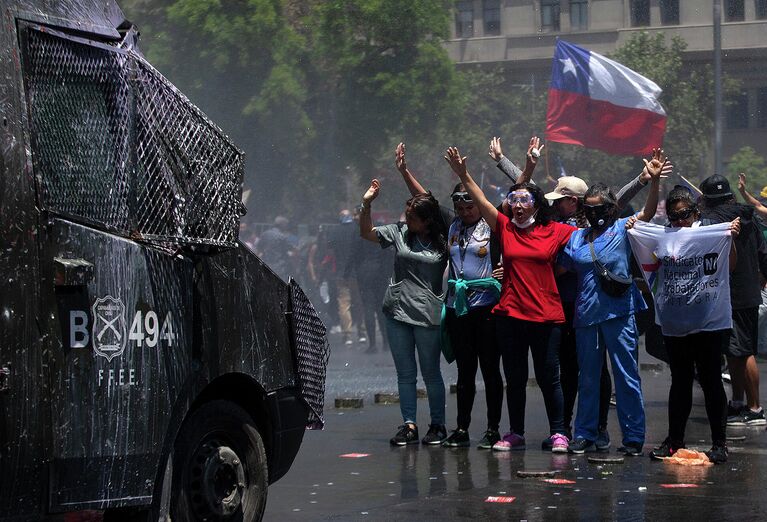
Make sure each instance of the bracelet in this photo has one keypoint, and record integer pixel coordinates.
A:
(364, 205)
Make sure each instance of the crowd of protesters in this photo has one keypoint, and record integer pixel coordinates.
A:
(545, 273)
(551, 274)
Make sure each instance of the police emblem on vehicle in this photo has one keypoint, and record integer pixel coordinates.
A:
(109, 335)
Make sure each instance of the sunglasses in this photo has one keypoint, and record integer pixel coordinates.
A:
(681, 214)
(461, 197)
(523, 198)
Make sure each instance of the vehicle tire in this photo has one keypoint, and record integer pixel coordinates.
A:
(219, 466)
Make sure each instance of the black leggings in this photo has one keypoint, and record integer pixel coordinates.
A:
(472, 337)
(568, 368)
(515, 336)
(701, 350)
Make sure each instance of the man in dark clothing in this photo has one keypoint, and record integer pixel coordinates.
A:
(745, 290)
(276, 247)
(344, 240)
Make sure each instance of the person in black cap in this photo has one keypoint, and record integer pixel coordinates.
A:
(719, 206)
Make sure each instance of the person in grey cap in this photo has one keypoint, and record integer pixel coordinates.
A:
(745, 290)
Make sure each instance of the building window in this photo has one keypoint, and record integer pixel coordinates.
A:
(491, 15)
(464, 19)
(761, 9)
(579, 14)
(737, 112)
(669, 12)
(734, 11)
(549, 15)
(761, 100)
(640, 13)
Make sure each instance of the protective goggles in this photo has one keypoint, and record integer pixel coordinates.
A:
(522, 197)
(681, 214)
(461, 197)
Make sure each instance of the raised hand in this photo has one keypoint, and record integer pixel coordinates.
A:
(654, 167)
(495, 149)
(456, 161)
(741, 182)
(534, 150)
(372, 192)
(399, 160)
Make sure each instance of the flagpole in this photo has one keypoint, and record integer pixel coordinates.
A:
(546, 161)
(718, 87)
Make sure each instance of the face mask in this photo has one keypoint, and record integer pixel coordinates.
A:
(526, 223)
(598, 215)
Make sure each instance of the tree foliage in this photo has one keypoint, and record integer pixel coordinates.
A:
(319, 92)
(747, 161)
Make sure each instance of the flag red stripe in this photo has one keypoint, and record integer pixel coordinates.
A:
(580, 120)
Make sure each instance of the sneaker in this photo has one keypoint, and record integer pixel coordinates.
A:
(559, 443)
(666, 449)
(458, 439)
(735, 415)
(754, 418)
(580, 445)
(348, 342)
(718, 453)
(603, 441)
(726, 377)
(488, 439)
(510, 442)
(362, 339)
(405, 435)
(436, 434)
(631, 449)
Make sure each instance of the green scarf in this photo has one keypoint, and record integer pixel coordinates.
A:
(461, 304)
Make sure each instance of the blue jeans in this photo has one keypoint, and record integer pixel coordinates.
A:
(619, 337)
(404, 340)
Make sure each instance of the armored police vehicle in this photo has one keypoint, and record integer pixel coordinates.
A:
(151, 366)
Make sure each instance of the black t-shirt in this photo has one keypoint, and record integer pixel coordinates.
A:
(745, 288)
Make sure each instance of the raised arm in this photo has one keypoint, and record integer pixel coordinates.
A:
(750, 199)
(366, 222)
(412, 184)
(458, 164)
(633, 187)
(654, 168)
(533, 154)
(504, 164)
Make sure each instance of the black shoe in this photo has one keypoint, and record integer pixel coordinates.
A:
(581, 445)
(436, 434)
(603, 440)
(458, 439)
(753, 418)
(718, 453)
(666, 449)
(488, 439)
(546, 444)
(405, 435)
(735, 415)
(631, 449)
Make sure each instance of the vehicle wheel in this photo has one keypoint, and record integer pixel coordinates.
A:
(219, 466)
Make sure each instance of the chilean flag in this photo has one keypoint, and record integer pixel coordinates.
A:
(600, 104)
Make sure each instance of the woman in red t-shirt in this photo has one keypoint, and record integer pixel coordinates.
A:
(529, 313)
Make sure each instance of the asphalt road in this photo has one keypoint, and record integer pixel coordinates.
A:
(329, 482)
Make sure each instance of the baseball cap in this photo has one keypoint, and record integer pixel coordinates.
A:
(568, 186)
(715, 187)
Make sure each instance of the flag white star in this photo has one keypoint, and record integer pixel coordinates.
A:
(568, 66)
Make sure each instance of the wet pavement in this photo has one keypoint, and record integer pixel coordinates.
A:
(349, 471)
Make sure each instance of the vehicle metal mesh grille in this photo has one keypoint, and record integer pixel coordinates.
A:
(116, 146)
(312, 354)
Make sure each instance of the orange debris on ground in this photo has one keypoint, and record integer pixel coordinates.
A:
(686, 457)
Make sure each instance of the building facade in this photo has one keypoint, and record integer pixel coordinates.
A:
(520, 35)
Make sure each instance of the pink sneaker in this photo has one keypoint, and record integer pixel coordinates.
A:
(510, 442)
(559, 443)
